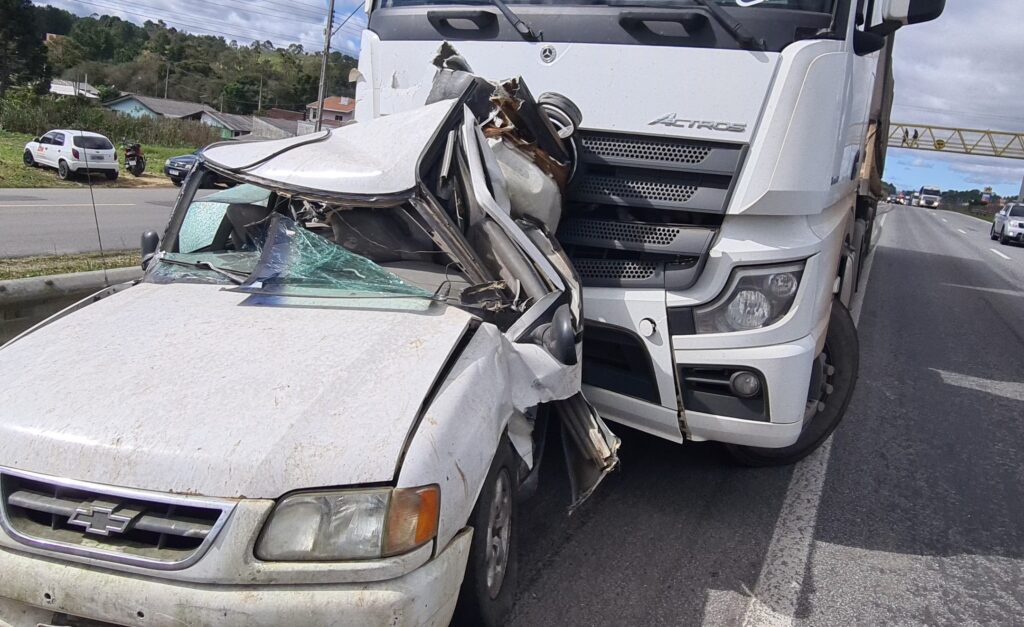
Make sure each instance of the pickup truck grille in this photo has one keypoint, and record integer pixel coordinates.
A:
(162, 531)
(643, 211)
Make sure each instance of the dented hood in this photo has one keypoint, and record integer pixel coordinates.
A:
(372, 159)
(193, 389)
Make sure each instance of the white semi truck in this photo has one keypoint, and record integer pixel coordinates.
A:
(728, 169)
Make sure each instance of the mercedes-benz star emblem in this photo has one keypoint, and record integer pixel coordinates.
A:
(548, 54)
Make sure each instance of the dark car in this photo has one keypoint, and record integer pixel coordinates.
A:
(177, 168)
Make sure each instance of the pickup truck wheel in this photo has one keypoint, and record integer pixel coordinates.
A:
(489, 586)
(1003, 240)
(839, 363)
(992, 232)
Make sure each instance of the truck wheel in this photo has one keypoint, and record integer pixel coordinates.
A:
(1002, 237)
(827, 405)
(992, 232)
(489, 586)
(28, 159)
(63, 171)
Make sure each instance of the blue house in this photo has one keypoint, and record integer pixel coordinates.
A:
(146, 106)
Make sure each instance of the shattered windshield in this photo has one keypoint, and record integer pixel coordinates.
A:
(261, 241)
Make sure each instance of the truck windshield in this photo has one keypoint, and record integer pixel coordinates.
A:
(268, 243)
(817, 6)
(930, 192)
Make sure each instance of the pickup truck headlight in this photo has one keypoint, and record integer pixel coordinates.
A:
(1018, 225)
(350, 524)
(755, 297)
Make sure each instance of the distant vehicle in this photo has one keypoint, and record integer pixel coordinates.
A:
(929, 197)
(177, 169)
(72, 151)
(1008, 224)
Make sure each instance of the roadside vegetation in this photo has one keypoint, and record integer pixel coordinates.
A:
(25, 267)
(13, 173)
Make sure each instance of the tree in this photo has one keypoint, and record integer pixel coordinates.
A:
(22, 52)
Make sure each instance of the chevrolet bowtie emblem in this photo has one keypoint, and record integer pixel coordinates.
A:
(103, 518)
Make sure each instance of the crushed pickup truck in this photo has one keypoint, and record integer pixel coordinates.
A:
(326, 397)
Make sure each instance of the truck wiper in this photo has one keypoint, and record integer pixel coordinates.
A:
(234, 276)
(524, 29)
(734, 27)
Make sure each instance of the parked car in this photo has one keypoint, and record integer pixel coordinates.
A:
(72, 151)
(325, 399)
(177, 169)
(1008, 224)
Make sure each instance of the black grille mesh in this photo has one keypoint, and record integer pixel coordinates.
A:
(626, 232)
(645, 149)
(614, 269)
(637, 189)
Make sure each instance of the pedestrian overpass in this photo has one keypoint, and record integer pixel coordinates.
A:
(961, 141)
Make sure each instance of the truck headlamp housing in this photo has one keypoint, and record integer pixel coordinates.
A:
(1018, 225)
(349, 524)
(755, 297)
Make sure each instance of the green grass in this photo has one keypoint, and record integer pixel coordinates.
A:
(13, 172)
(24, 267)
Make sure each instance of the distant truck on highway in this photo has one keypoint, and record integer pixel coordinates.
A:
(929, 197)
(727, 180)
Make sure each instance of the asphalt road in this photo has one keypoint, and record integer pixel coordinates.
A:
(56, 221)
(912, 514)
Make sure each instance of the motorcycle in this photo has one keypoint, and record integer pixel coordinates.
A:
(134, 160)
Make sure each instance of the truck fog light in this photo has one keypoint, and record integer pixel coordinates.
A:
(782, 285)
(749, 309)
(745, 384)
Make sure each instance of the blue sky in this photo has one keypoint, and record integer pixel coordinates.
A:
(962, 70)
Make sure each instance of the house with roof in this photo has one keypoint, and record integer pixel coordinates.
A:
(147, 106)
(61, 87)
(284, 114)
(231, 125)
(338, 108)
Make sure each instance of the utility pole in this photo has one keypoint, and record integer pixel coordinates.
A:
(167, 76)
(323, 65)
(222, 101)
(259, 101)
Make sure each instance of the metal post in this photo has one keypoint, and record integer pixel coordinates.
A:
(323, 65)
(167, 76)
(259, 101)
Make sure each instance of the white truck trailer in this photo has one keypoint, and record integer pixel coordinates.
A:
(728, 168)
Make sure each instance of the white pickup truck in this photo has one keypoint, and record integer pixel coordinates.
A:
(325, 399)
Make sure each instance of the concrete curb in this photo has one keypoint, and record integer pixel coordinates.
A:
(40, 288)
(26, 302)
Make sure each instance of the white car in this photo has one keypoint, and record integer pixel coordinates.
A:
(322, 403)
(72, 151)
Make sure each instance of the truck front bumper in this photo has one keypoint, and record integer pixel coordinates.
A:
(34, 589)
(779, 366)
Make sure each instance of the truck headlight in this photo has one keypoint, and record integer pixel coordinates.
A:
(350, 524)
(1018, 225)
(755, 297)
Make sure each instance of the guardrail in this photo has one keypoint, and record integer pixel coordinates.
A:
(25, 302)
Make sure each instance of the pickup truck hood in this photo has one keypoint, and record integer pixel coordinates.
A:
(194, 389)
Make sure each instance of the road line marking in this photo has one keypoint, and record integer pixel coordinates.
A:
(777, 592)
(1012, 390)
(882, 223)
(962, 231)
(999, 253)
(99, 204)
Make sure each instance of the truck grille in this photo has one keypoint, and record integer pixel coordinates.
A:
(161, 531)
(644, 210)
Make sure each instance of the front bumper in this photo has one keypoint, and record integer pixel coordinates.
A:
(33, 589)
(1015, 234)
(176, 173)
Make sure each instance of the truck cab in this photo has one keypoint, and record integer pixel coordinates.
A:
(721, 206)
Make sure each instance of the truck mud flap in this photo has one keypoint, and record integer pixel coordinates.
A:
(591, 449)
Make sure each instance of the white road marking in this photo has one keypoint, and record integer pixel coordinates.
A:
(99, 204)
(962, 231)
(777, 592)
(999, 253)
(1012, 390)
(881, 223)
(990, 290)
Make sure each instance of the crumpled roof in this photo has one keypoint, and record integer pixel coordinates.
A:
(372, 158)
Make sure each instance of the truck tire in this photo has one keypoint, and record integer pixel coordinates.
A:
(992, 232)
(841, 363)
(489, 586)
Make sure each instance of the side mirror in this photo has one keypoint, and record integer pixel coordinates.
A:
(897, 13)
(559, 337)
(150, 244)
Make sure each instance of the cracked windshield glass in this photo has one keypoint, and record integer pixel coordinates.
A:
(269, 243)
